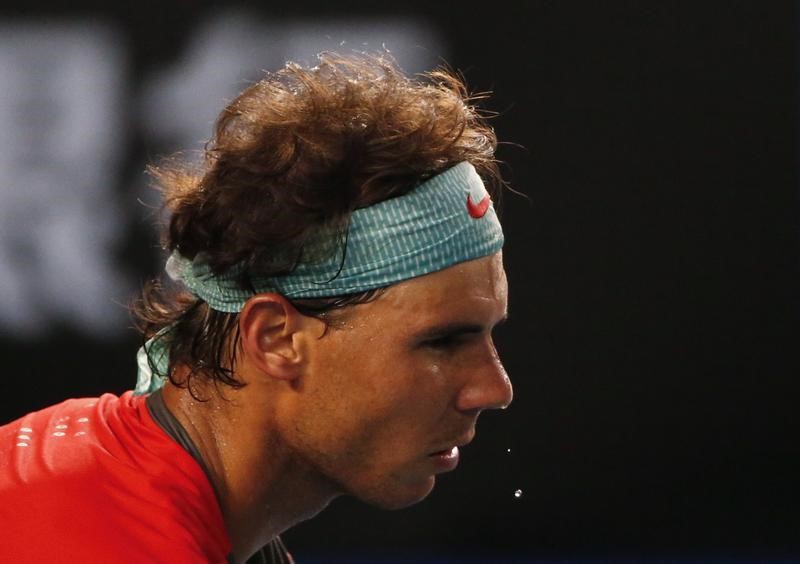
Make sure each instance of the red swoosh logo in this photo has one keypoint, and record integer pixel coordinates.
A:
(478, 210)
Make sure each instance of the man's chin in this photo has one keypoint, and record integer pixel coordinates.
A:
(399, 496)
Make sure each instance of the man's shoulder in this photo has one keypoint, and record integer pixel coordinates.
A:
(97, 474)
(69, 439)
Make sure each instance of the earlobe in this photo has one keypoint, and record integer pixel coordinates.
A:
(270, 334)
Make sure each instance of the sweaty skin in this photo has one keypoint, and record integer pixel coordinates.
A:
(363, 408)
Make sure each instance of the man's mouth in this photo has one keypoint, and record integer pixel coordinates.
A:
(446, 459)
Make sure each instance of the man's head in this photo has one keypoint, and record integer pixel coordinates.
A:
(379, 402)
(349, 163)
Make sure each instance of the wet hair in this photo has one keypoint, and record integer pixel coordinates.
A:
(292, 156)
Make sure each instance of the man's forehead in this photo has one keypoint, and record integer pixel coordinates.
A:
(477, 287)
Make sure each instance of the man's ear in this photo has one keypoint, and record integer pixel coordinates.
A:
(273, 333)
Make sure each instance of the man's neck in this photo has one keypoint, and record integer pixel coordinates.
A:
(263, 489)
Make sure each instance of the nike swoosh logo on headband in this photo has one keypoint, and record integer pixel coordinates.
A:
(478, 210)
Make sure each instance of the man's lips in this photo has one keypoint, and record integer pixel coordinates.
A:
(445, 460)
(454, 445)
(462, 440)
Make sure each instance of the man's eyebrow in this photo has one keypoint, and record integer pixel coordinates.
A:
(454, 329)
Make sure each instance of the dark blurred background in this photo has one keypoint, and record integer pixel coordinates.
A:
(653, 265)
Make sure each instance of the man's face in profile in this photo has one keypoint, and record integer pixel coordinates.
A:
(392, 389)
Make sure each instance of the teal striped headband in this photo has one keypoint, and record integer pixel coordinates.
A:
(446, 220)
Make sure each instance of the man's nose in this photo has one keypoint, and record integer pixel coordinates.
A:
(488, 387)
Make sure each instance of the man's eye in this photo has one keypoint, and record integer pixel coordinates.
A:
(445, 342)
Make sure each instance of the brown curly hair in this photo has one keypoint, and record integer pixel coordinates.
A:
(292, 155)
